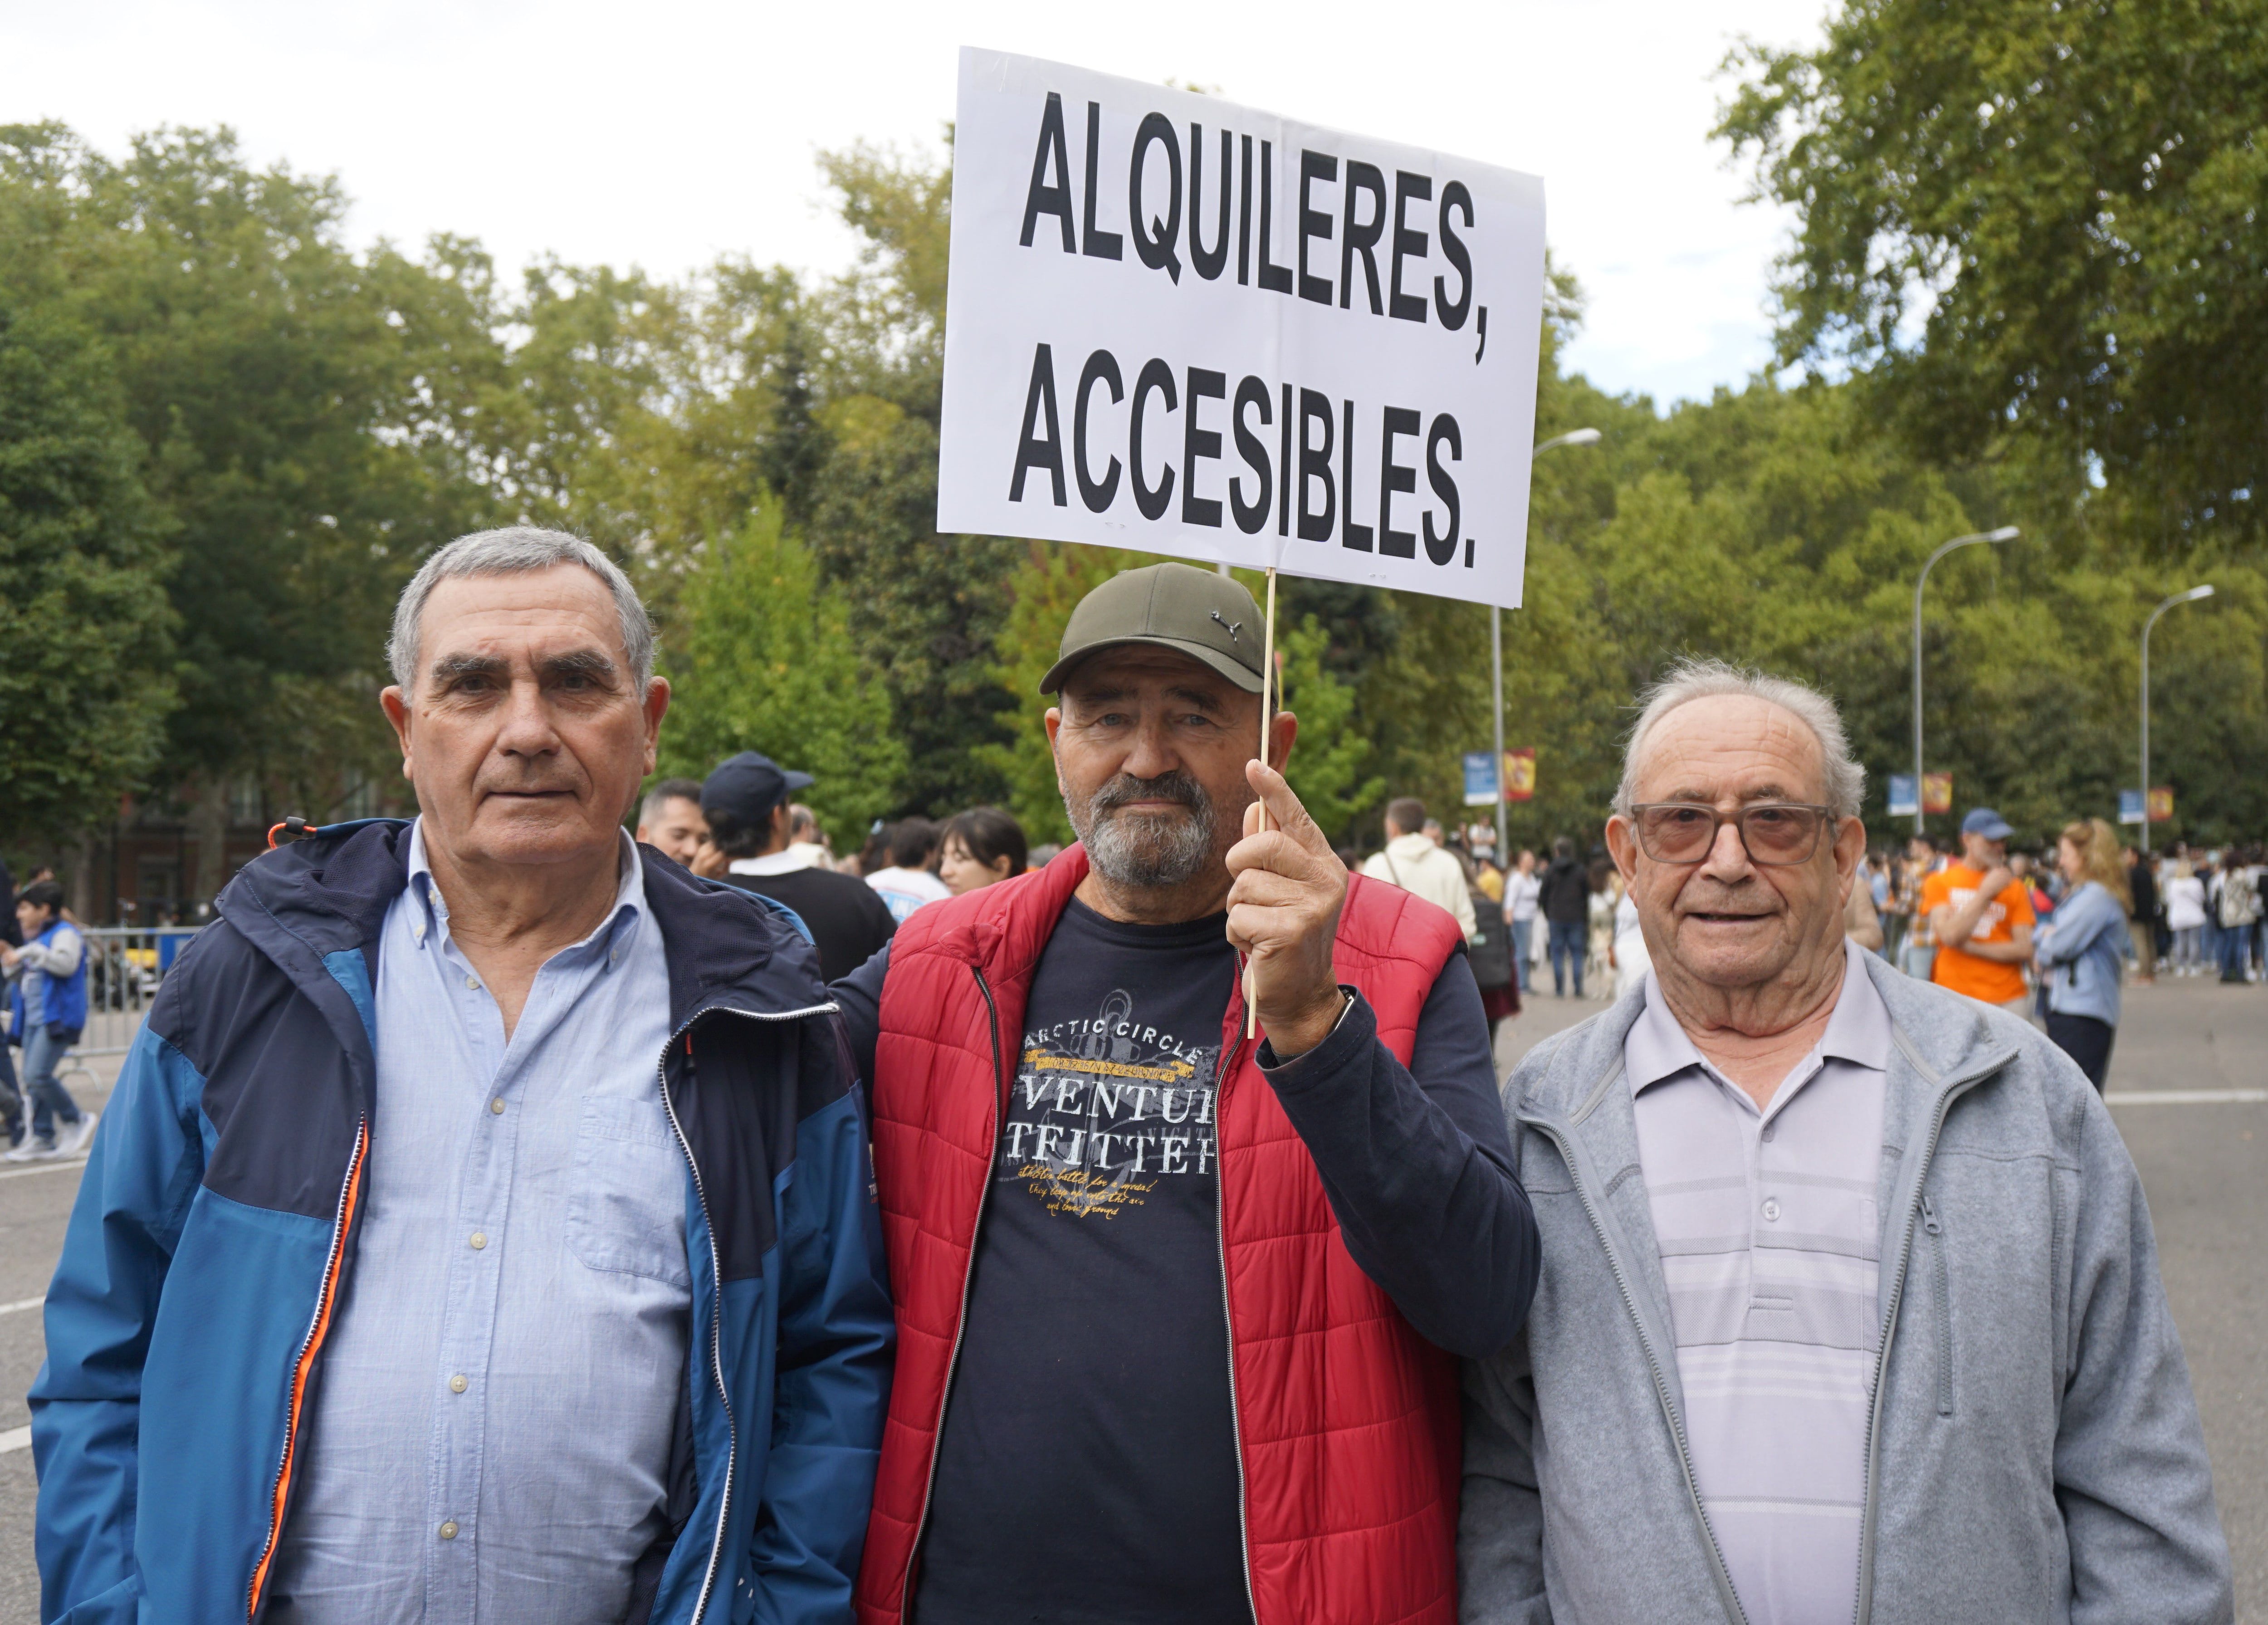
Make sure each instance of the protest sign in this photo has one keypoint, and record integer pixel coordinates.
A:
(1180, 325)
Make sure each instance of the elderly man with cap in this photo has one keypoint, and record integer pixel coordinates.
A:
(1851, 1306)
(750, 823)
(1178, 1306)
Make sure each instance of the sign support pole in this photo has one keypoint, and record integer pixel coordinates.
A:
(1496, 697)
(1268, 697)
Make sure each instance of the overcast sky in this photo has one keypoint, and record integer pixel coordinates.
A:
(665, 133)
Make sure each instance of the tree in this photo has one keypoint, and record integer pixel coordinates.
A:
(1329, 759)
(300, 414)
(83, 625)
(761, 658)
(2042, 216)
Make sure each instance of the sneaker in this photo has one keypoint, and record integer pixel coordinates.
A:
(30, 1151)
(75, 1137)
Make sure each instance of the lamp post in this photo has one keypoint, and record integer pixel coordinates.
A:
(2191, 596)
(2005, 533)
(1574, 437)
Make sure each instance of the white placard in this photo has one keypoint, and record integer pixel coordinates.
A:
(1303, 349)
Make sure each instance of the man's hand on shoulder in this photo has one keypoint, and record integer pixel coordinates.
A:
(1284, 912)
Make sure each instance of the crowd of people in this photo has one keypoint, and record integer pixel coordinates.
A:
(2052, 935)
(496, 1219)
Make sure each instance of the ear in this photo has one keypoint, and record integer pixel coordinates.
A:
(1849, 847)
(1283, 728)
(395, 704)
(1622, 846)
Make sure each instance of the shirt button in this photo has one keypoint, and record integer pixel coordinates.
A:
(1770, 1130)
(1771, 1209)
(457, 1384)
(496, 1106)
(449, 1529)
(481, 1239)
(472, 982)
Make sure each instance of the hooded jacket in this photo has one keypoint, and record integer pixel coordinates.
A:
(2035, 1453)
(214, 1235)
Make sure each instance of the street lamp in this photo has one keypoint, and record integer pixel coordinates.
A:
(1574, 437)
(2005, 533)
(2191, 596)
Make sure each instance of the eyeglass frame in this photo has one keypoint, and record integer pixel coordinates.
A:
(1829, 819)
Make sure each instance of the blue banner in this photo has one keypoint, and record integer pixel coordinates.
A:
(1904, 801)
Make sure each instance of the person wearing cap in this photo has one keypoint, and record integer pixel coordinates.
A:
(750, 819)
(1980, 917)
(1179, 1307)
(481, 1227)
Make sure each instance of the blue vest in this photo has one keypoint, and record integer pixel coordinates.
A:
(62, 1004)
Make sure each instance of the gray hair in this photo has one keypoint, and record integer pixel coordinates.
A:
(1689, 679)
(509, 552)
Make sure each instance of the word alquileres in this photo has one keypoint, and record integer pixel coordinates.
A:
(1323, 496)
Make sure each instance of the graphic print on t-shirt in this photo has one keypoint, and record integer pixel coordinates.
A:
(1106, 1106)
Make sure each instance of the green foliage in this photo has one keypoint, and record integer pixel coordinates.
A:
(2042, 215)
(761, 657)
(84, 626)
(1330, 755)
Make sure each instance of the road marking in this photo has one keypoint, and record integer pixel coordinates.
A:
(40, 1168)
(15, 1439)
(20, 1306)
(2183, 1098)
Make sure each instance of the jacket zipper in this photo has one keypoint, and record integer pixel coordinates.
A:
(303, 1362)
(1864, 1611)
(1944, 1307)
(1660, 1382)
(968, 1274)
(1230, 1051)
(716, 1271)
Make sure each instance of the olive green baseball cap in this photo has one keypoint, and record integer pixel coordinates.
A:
(1208, 617)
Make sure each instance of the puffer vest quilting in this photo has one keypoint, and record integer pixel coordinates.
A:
(1347, 1421)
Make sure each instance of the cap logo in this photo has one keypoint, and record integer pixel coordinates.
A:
(1234, 626)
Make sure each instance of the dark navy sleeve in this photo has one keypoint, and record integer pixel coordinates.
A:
(1418, 1166)
(860, 995)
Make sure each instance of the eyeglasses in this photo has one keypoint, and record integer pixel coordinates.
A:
(1776, 833)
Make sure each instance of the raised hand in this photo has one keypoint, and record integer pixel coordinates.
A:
(1284, 913)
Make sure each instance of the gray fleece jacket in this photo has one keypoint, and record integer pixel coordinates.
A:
(2035, 1453)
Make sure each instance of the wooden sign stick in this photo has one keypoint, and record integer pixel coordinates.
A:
(1267, 695)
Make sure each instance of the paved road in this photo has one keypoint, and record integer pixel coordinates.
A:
(2204, 1165)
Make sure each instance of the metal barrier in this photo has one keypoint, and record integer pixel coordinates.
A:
(124, 965)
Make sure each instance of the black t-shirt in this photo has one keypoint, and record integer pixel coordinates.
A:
(849, 921)
(1086, 1467)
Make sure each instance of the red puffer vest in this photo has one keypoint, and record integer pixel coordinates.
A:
(1347, 1421)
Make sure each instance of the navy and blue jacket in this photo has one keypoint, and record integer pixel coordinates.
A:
(212, 1245)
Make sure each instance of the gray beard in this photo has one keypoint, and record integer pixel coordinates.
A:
(1162, 855)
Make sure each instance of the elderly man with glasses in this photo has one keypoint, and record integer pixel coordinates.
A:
(1849, 1301)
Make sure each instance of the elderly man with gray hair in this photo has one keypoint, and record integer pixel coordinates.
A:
(1850, 1307)
(481, 1228)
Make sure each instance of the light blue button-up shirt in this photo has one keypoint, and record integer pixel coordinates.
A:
(489, 1437)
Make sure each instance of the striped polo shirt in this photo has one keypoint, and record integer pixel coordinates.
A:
(1769, 1241)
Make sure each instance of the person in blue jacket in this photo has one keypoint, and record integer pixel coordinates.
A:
(49, 1011)
(482, 1227)
(2082, 947)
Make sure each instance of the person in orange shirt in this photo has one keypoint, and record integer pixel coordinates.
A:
(1982, 918)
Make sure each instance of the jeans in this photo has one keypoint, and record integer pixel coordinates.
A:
(51, 1099)
(2189, 948)
(2087, 1040)
(1523, 944)
(2235, 949)
(1917, 959)
(1567, 946)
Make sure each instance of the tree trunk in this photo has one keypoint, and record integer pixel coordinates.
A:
(79, 894)
(208, 828)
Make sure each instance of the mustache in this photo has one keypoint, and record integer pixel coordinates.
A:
(1175, 786)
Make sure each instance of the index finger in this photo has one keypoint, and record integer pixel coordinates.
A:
(1284, 808)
